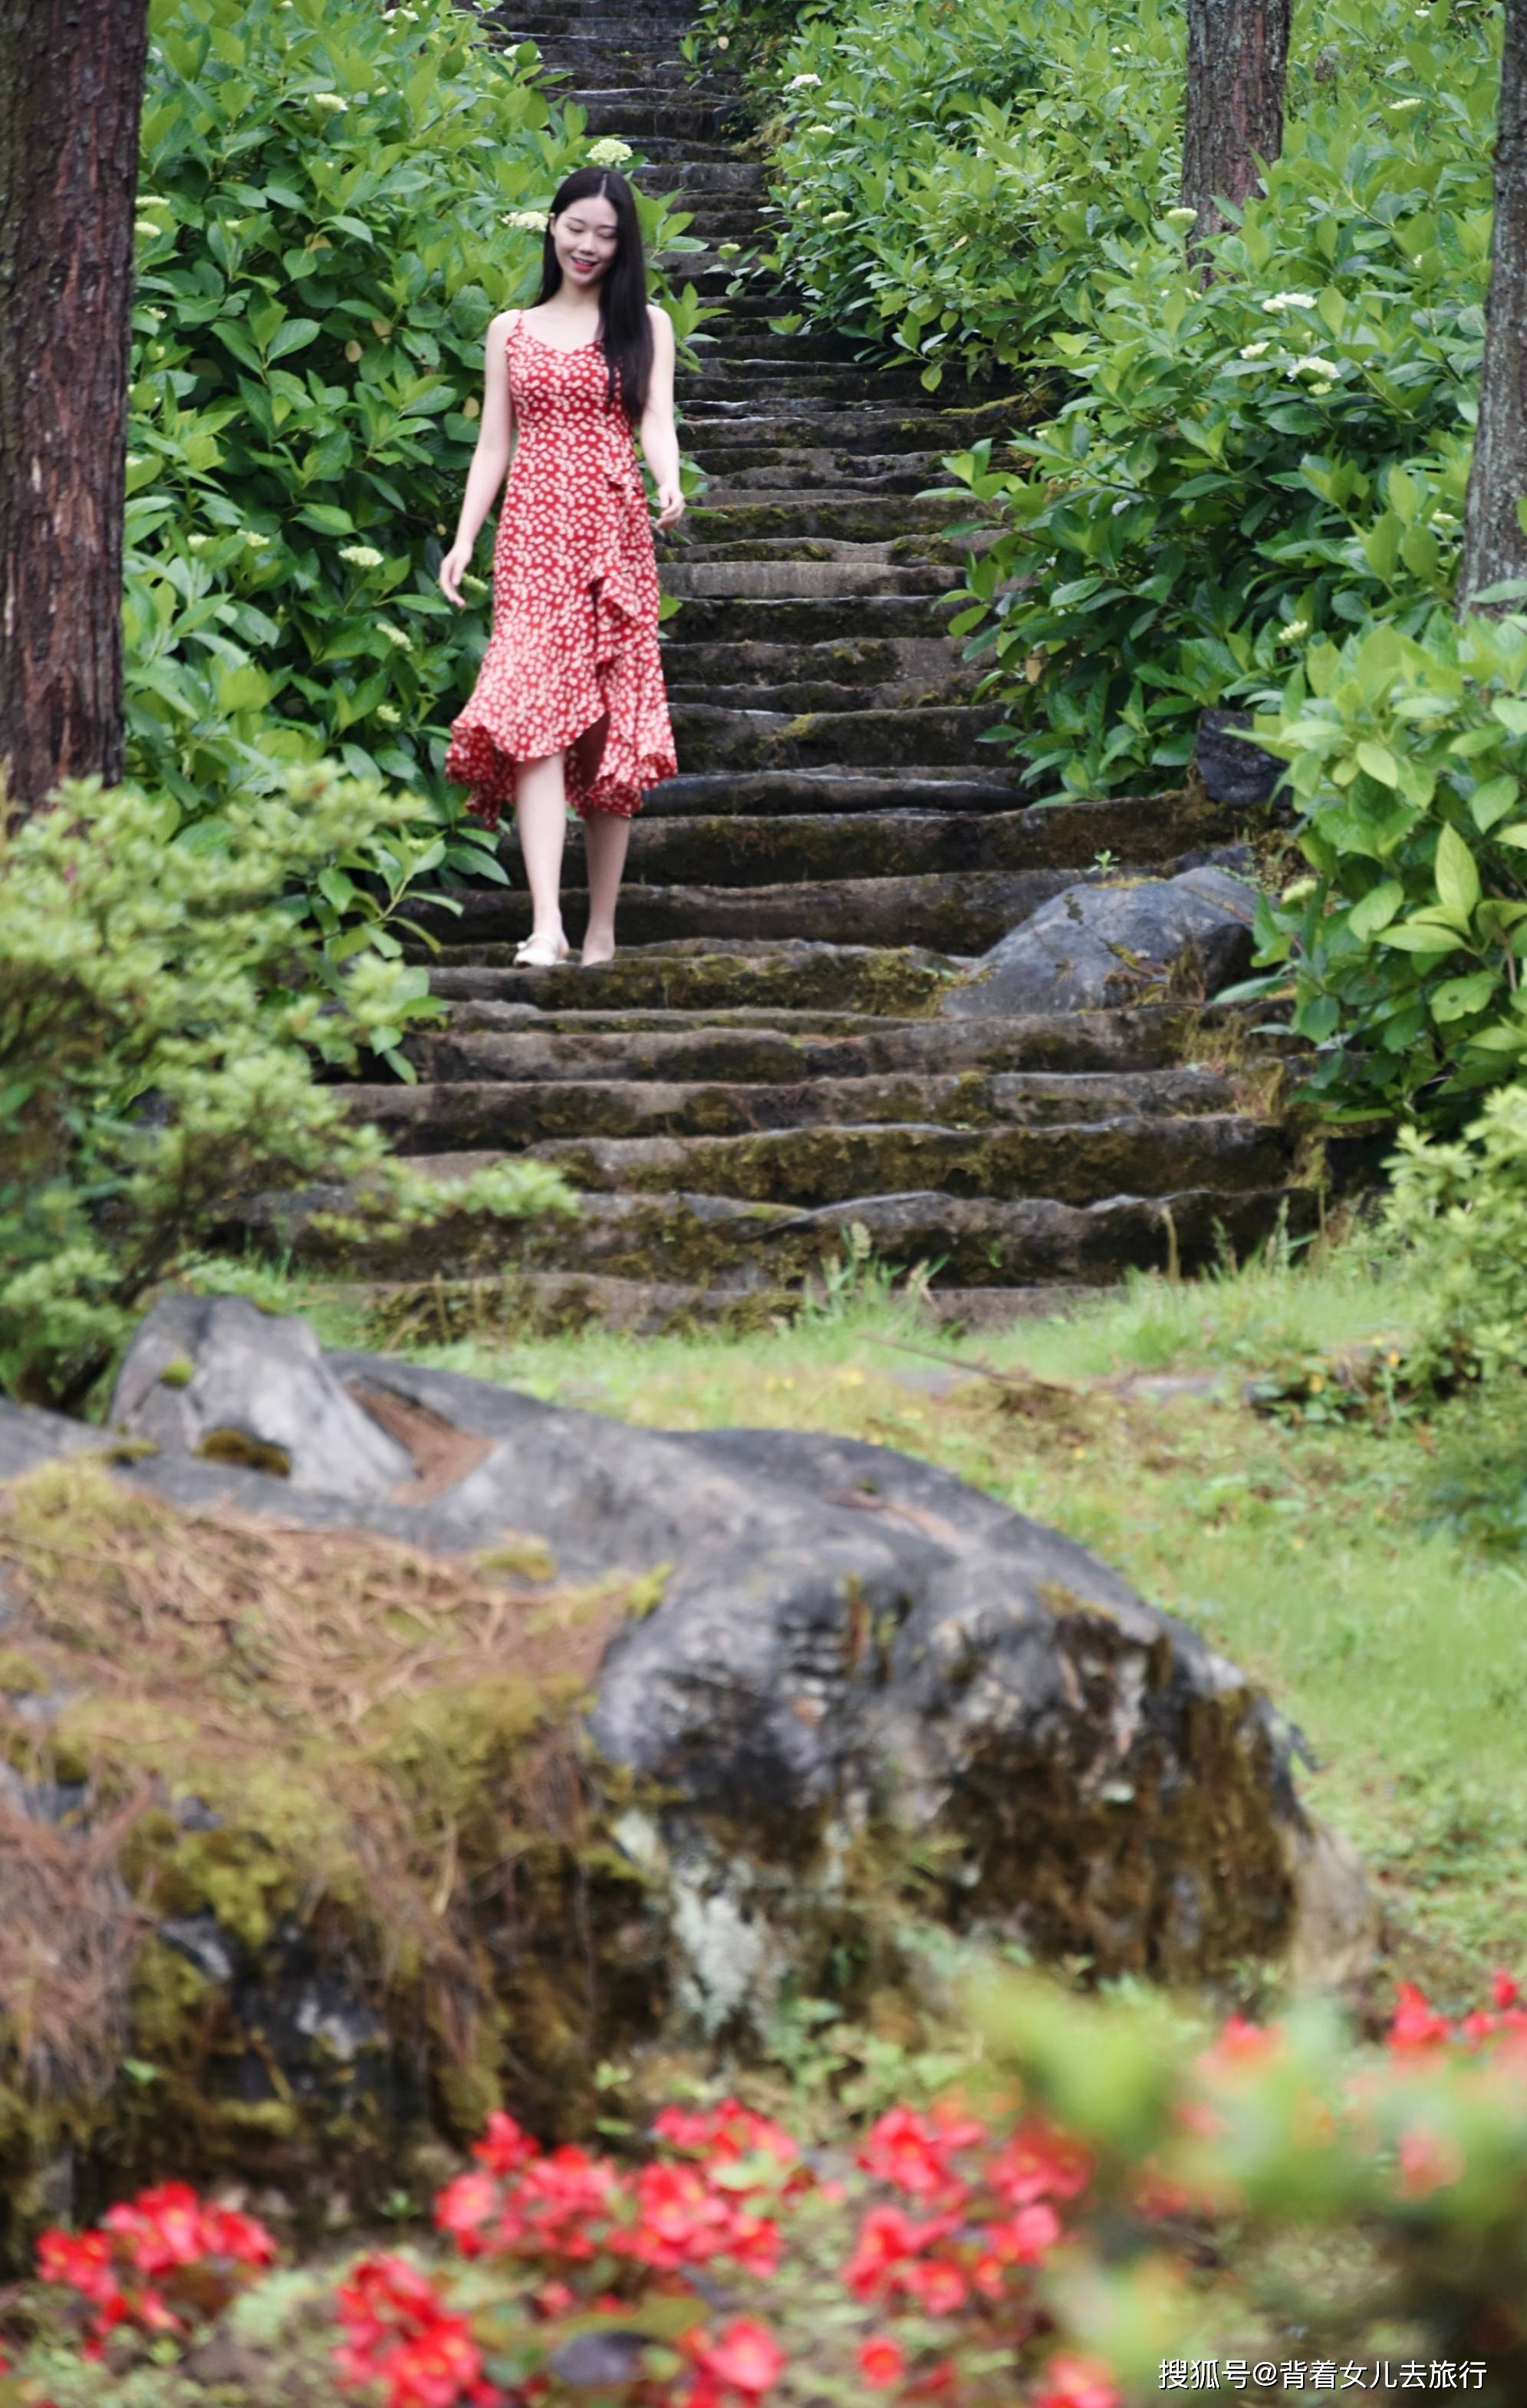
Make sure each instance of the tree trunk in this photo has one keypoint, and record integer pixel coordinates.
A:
(71, 99)
(1494, 546)
(1238, 67)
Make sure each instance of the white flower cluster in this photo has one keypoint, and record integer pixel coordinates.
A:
(198, 542)
(1289, 632)
(256, 541)
(360, 555)
(1254, 351)
(395, 635)
(1412, 102)
(1181, 217)
(1277, 301)
(527, 220)
(333, 101)
(389, 714)
(609, 151)
(801, 83)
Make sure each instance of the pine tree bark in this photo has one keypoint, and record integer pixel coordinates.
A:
(71, 99)
(1233, 117)
(1494, 546)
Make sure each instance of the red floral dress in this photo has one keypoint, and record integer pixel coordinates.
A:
(575, 598)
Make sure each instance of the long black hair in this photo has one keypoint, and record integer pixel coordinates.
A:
(625, 330)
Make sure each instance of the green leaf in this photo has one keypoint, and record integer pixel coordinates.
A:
(1376, 909)
(1457, 876)
(293, 337)
(1378, 762)
(1458, 997)
(1491, 800)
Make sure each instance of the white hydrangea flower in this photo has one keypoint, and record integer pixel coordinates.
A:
(1299, 890)
(198, 542)
(135, 459)
(389, 715)
(609, 151)
(256, 541)
(147, 228)
(1253, 351)
(1181, 217)
(332, 101)
(1278, 301)
(362, 555)
(819, 128)
(527, 220)
(835, 218)
(800, 82)
(1292, 631)
(474, 583)
(395, 635)
(1314, 365)
(1412, 102)
(1322, 388)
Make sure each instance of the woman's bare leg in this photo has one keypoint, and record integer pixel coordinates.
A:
(606, 837)
(540, 803)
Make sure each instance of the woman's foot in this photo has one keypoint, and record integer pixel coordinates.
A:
(540, 953)
(596, 951)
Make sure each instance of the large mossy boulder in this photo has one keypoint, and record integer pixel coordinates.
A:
(1136, 941)
(358, 1809)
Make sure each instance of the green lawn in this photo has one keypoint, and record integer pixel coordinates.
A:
(1351, 1569)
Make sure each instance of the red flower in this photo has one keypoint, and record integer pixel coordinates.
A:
(1025, 2238)
(882, 2362)
(1038, 2163)
(1503, 1988)
(887, 2236)
(504, 2147)
(746, 2357)
(1415, 2022)
(1077, 2383)
(910, 2153)
(936, 2285)
(464, 2207)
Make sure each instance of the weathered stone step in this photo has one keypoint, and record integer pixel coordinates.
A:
(740, 467)
(911, 664)
(1070, 1162)
(949, 685)
(791, 793)
(441, 1117)
(800, 621)
(972, 1242)
(768, 577)
(709, 737)
(634, 110)
(514, 1041)
(736, 849)
(963, 914)
(710, 974)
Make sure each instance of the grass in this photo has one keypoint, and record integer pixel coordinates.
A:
(1342, 1565)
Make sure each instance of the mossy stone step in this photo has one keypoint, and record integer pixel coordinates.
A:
(911, 662)
(741, 468)
(1070, 1162)
(969, 1241)
(740, 850)
(710, 736)
(505, 1042)
(948, 684)
(709, 975)
(772, 579)
(437, 1117)
(863, 517)
(792, 793)
(962, 913)
(792, 622)
(562, 1304)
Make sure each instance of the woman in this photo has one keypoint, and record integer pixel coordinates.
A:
(569, 703)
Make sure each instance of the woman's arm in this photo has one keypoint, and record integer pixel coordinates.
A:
(660, 437)
(489, 461)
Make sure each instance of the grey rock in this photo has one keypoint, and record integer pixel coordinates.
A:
(214, 1375)
(854, 1654)
(1232, 769)
(1096, 946)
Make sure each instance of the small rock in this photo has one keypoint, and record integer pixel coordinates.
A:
(1232, 769)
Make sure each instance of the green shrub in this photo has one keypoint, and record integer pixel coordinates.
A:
(1402, 949)
(944, 177)
(1465, 1205)
(1224, 467)
(326, 225)
(162, 1013)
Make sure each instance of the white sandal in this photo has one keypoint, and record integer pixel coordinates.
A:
(539, 953)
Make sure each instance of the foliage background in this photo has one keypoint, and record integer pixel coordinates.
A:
(325, 230)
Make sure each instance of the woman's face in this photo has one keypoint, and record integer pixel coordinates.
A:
(585, 239)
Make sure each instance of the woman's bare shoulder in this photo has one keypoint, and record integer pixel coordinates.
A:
(503, 324)
(661, 321)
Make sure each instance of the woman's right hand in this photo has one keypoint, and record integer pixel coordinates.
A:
(454, 567)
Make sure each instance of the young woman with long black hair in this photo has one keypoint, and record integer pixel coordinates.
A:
(569, 703)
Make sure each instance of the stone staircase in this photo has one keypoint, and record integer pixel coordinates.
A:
(760, 1079)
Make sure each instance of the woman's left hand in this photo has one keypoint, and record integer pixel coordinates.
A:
(670, 506)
